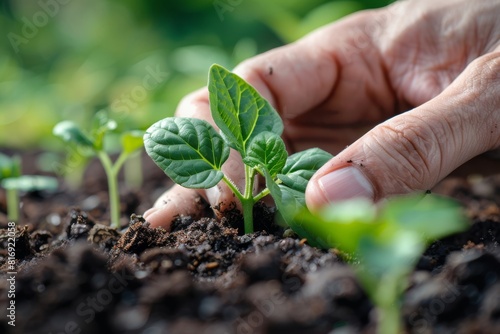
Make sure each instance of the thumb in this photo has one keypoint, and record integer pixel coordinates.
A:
(416, 149)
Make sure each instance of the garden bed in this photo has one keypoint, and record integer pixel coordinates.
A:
(76, 275)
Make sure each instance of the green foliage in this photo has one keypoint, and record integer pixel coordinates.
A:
(301, 166)
(131, 142)
(386, 241)
(9, 166)
(13, 182)
(239, 110)
(268, 150)
(70, 132)
(192, 153)
(30, 183)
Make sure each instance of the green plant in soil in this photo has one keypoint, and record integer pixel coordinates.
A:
(384, 242)
(192, 152)
(131, 141)
(13, 182)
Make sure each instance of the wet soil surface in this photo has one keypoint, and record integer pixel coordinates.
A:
(77, 275)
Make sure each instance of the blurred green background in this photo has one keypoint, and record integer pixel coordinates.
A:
(67, 59)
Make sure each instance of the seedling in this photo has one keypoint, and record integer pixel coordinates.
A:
(131, 141)
(191, 152)
(385, 242)
(13, 182)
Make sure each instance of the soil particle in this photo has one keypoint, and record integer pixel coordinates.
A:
(164, 260)
(338, 287)
(78, 224)
(140, 236)
(263, 265)
(490, 308)
(23, 244)
(460, 291)
(103, 236)
(70, 286)
(40, 240)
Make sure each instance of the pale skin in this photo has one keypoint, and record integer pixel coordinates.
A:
(413, 89)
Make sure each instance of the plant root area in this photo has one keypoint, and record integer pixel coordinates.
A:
(75, 274)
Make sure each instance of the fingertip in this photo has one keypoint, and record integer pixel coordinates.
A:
(338, 185)
(315, 198)
(157, 217)
(149, 212)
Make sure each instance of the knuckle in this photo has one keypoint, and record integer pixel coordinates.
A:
(480, 97)
(485, 73)
(410, 154)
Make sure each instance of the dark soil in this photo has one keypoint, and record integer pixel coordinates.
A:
(77, 275)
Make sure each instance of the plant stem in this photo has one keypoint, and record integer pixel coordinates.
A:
(389, 321)
(112, 175)
(248, 203)
(13, 205)
(233, 188)
(386, 297)
(246, 199)
(261, 195)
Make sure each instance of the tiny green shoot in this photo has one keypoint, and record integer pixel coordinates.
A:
(13, 182)
(131, 141)
(385, 241)
(191, 152)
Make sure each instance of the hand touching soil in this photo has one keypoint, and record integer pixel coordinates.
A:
(420, 80)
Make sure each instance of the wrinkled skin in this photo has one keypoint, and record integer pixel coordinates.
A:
(429, 70)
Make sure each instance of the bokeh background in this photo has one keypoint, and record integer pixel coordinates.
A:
(67, 59)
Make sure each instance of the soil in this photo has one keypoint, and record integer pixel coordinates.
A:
(77, 275)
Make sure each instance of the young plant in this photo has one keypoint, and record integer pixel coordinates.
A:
(385, 241)
(131, 141)
(13, 182)
(191, 152)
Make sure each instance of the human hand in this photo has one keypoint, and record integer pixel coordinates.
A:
(440, 58)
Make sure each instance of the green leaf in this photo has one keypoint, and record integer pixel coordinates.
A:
(289, 196)
(9, 167)
(101, 124)
(289, 203)
(71, 133)
(384, 266)
(430, 216)
(397, 256)
(341, 224)
(239, 110)
(267, 149)
(5, 166)
(301, 166)
(30, 183)
(132, 141)
(188, 150)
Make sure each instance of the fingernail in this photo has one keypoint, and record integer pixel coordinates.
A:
(213, 195)
(149, 212)
(345, 183)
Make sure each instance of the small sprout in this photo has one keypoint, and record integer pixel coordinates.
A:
(131, 142)
(385, 241)
(13, 182)
(191, 152)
